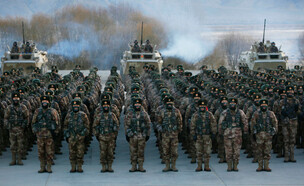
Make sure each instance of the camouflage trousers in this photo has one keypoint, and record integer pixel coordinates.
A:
(45, 149)
(220, 146)
(191, 145)
(17, 140)
(107, 145)
(76, 148)
(233, 147)
(289, 130)
(253, 145)
(264, 145)
(137, 149)
(203, 147)
(170, 146)
(279, 142)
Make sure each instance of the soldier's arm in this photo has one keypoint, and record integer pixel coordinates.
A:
(254, 120)
(192, 124)
(148, 123)
(213, 123)
(116, 121)
(274, 121)
(221, 120)
(26, 114)
(244, 121)
(7, 114)
(66, 121)
(35, 118)
(86, 123)
(127, 121)
(56, 119)
(179, 120)
(96, 123)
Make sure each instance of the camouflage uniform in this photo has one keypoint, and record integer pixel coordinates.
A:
(171, 125)
(45, 125)
(137, 130)
(203, 125)
(16, 119)
(105, 128)
(264, 125)
(231, 124)
(76, 127)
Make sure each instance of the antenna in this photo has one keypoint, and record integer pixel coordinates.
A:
(142, 33)
(264, 30)
(23, 33)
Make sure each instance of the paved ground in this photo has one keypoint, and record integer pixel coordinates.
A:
(282, 174)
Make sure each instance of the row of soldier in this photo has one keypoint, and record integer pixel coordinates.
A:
(220, 123)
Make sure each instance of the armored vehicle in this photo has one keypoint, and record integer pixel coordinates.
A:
(25, 59)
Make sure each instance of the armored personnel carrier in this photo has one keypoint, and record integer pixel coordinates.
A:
(27, 59)
(263, 56)
(257, 60)
(140, 55)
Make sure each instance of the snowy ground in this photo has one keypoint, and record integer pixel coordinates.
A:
(282, 174)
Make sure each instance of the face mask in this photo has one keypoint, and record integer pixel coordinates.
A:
(75, 109)
(16, 102)
(169, 106)
(105, 108)
(300, 92)
(290, 95)
(270, 94)
(202, 109)
(232, 106)
(224, 105)
(137, 107)
(264, 108)
(45, 105)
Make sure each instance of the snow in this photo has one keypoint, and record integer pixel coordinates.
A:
(26, 175)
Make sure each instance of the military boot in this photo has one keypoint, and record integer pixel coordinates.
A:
(266, 166)
(73, 165)
(48, 167)
(235, 164)
(42, 167)
(140, 166)
(229, 163)
(173, 166)
(19, 162)
(292, 159)
(167, 168)
(280, 154)
(13, 162)
(260, 168)
(110, 167)
(206, 166)
(199, 166)
(221, 160)
(134, 168)
(104, 167)
(79, 166)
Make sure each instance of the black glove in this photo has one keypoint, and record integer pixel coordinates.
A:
(284, 113)
(147, 138)
(213, 137)
(67, 140)
(127, 138)
(194, 138)
(254, 137)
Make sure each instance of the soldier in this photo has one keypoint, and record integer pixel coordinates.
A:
(273, 48)
(289, 106)
(137, 130)
(45, 125)
(261, 48)
(220, 138)
(264, 125)
(105, 128)
(28, 48)
(16, 119)
(15, 48)
(231, 123)
(76, 127)
(135, 47)
(170, 120)
(203, 125)
(148, 47)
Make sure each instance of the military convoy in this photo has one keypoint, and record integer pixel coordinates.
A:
(25, 60)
